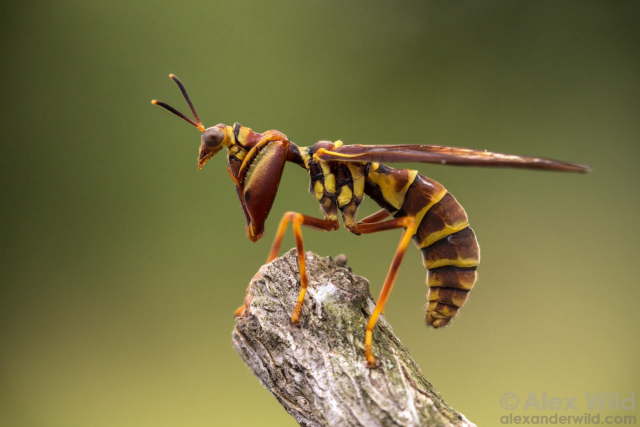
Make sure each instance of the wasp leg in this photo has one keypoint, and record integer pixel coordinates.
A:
(376, 217)
(408, 223)
(238, 311)
(299, 220)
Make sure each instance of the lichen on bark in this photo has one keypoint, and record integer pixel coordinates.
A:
(317, 369)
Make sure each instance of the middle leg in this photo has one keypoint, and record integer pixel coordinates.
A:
(297, 221)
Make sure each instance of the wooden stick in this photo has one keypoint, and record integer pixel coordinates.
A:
(317, 370)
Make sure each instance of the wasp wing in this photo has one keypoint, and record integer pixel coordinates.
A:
(443, 155)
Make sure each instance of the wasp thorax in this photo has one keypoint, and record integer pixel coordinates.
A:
(212, 137)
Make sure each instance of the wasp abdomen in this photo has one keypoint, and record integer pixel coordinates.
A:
(450, 252)
(451, 264)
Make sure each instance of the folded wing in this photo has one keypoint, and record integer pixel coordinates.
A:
(443, 155)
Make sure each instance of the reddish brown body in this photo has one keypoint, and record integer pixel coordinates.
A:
(340, 176)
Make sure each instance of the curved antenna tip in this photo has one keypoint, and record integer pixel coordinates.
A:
(154, 102)
(172, 76)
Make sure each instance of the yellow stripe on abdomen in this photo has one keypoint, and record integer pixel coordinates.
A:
(451, 253)
(458, 249)
(443, 219)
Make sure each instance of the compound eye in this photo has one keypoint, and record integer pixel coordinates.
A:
(212, 137)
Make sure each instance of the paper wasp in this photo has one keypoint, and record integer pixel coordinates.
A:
(340, 176)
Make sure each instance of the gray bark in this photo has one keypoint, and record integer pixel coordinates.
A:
(317, 369)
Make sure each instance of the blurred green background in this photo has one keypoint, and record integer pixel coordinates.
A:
(122, 265)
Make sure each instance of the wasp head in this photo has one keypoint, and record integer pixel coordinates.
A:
(211, 142)
(212, 139)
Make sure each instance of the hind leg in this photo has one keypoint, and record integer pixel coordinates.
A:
(408, 223)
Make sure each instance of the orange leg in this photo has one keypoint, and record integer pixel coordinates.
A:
(378, 216)
(409, 224)
(298, 221)
(238, 311)
(375, 217)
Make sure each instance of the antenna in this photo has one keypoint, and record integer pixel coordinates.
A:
(167, 107)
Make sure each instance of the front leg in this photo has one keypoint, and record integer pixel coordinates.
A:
(257, 179)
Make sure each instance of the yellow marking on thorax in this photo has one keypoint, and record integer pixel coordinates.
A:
(345, 196)
(358, 179)
(242, 134)
(329, 178)
(318, 190)
(388, 185)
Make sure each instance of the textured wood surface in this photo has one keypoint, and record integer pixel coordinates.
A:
(317, 369)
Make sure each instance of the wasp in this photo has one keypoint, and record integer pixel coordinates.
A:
(340, 176)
